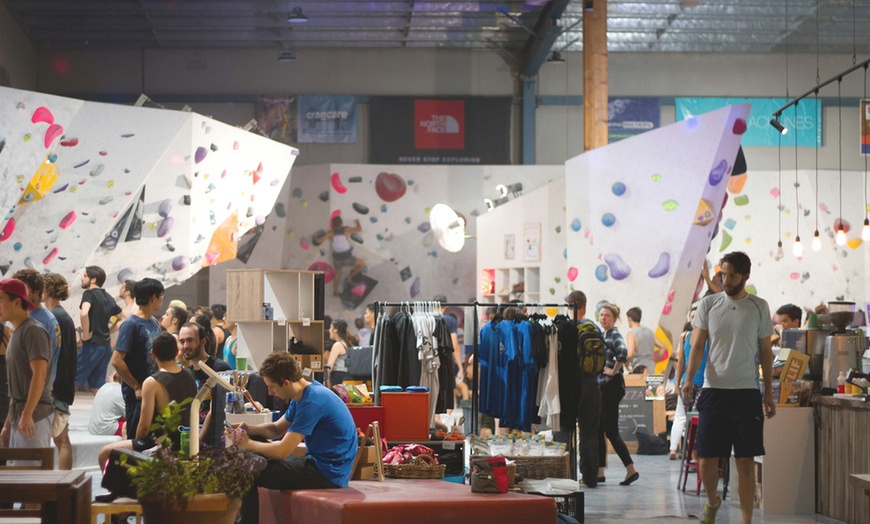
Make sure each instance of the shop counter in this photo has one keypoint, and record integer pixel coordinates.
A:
(843, 438)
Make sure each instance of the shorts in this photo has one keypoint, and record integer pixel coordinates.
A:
(41, 439)
(61, 418)
(344, 258)
(730, 417)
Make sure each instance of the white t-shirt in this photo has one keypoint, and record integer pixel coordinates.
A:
(107, 410)
(733, 328)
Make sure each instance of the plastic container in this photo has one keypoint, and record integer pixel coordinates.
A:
(841, 383)
(185, 440)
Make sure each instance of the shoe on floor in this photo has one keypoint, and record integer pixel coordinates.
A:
(602, 479)
(672, 455)
(709, 515)
(629, 480)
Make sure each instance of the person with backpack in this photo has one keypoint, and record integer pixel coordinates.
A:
(590, 352)
(612, 385)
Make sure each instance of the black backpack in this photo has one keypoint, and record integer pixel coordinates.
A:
(591, 348)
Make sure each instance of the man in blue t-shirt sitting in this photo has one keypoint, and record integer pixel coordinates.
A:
(315, 415)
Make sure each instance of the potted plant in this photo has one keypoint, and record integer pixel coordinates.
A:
(207, 488)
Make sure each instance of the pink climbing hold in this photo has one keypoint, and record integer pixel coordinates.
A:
(671, 294)
(72, 142)
(8, 230)
(667, 309)
(53, 132)
(336, 213)
(774, 192)
(739, 126)
(337, 185)
(794, 276)
(67, 221)
(358, 291)
(572, 274)
(48, 258)
(42, 114)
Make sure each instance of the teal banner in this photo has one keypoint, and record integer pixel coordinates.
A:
(804, 121)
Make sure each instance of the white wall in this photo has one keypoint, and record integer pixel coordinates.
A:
(17, 54)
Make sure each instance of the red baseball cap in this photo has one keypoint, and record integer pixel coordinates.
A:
(13, 286)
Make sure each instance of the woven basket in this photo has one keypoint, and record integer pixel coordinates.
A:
(543, 467)
(423, 467)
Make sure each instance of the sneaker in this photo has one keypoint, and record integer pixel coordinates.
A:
(709, 515)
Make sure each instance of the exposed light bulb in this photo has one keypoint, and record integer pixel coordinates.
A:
(865, 232)
(841, 237)
(798, 248)
(817, 241)
(779, 252)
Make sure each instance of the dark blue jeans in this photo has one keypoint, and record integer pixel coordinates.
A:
(290, 473)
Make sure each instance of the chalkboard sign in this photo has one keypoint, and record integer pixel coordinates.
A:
(635, 412)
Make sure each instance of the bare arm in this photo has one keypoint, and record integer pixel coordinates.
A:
(765, 356)
(355, 229)
(699, 339)
(630, 345)
(85, 321)
(269, 430)
(149, 402)
(680, 363)
(276, 450)
(457, 355)
(39, 369)
(124, 372)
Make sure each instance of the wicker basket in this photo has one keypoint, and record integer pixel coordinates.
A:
(423, 467)
(543, 467)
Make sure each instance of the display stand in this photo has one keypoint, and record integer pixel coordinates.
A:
(379, 307)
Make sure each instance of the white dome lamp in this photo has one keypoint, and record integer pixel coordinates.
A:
(448, 226)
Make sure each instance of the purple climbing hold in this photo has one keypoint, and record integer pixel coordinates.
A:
(165, 227)
(200, 154)
(179, 263)
(718, 172)
(424, 227)
(662, 266)
(165, 208)
(415, 288)
(125, 274)
(619, 270)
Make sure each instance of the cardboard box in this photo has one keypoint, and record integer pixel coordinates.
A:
(312, 362)
(368, 455)
(364, 472)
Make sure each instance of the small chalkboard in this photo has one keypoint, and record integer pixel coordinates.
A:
(635, 412)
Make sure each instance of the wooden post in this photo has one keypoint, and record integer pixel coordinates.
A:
(594, 74)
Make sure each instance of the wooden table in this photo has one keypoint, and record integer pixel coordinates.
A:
(863, 482)
(65, 496)
(843, 450)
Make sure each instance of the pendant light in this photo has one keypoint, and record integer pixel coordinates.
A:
(817, 240)
(779, 251)
(865, 232)
(798, 249)
(841, 233)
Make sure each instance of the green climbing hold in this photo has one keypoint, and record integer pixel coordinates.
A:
(742, 200)
(726, 241)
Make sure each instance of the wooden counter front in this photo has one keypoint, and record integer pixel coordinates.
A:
(843, 438)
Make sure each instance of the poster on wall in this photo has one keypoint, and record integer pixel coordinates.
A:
(276, 118)
(804, 120)
(509, 247)
(405, 130)
(865, 127)
(631, 116)
(532, 242)
(324, 119)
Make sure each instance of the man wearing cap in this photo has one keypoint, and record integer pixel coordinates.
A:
(28, 359)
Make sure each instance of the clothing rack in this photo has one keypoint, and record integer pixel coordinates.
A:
(379, 307)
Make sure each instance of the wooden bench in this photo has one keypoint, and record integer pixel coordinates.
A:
(401, 501)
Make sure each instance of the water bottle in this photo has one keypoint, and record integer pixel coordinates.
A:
(841, 383)
(185, 440)
(231, 398)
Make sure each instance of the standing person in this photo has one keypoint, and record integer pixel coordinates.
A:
(342, 252)
(231, 343)
(132, 355)
(126, 294)
(366, 334)
(63, 388)
(170, 383)
(96, 310)
(204, 320)
(589, 403)
(219, 312)
(731, 408)
(5, 335)
(28, 359)
(173, 318)
(336, 366)
(453, 328)
(612, 385)
(697, 382)
(641, 343)
(316, 416)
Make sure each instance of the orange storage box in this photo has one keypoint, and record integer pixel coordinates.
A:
(406, 416)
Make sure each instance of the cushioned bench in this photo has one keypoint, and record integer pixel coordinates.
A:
(401, 501)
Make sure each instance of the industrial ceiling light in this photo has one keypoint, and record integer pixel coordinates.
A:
(556, 56)
(778, 126)
(297, 16)
(287, 56)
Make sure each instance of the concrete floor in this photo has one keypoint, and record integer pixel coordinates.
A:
(655, 497)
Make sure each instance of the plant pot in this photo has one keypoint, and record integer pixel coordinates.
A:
(198, 509)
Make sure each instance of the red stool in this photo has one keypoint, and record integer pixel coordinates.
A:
(691, 463)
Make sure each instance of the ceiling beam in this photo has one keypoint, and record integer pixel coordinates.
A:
(546, 30)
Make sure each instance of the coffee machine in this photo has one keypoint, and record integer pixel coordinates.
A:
(843, 347)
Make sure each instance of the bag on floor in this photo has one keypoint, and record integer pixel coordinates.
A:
(650, 445)
(489, 475)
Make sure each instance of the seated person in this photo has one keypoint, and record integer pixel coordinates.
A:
(315, 415)
(107, 412)
(789, 318)
(169, 383)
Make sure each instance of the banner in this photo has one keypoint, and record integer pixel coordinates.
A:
(805, 126)
(865, 127)
(327, 119)
(631, 116)
(276, 118)
(406, 130)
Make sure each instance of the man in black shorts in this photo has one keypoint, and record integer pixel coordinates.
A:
(731, 409)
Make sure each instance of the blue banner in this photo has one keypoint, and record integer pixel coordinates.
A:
(804, 121)
(631, 116)
(327, 119)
